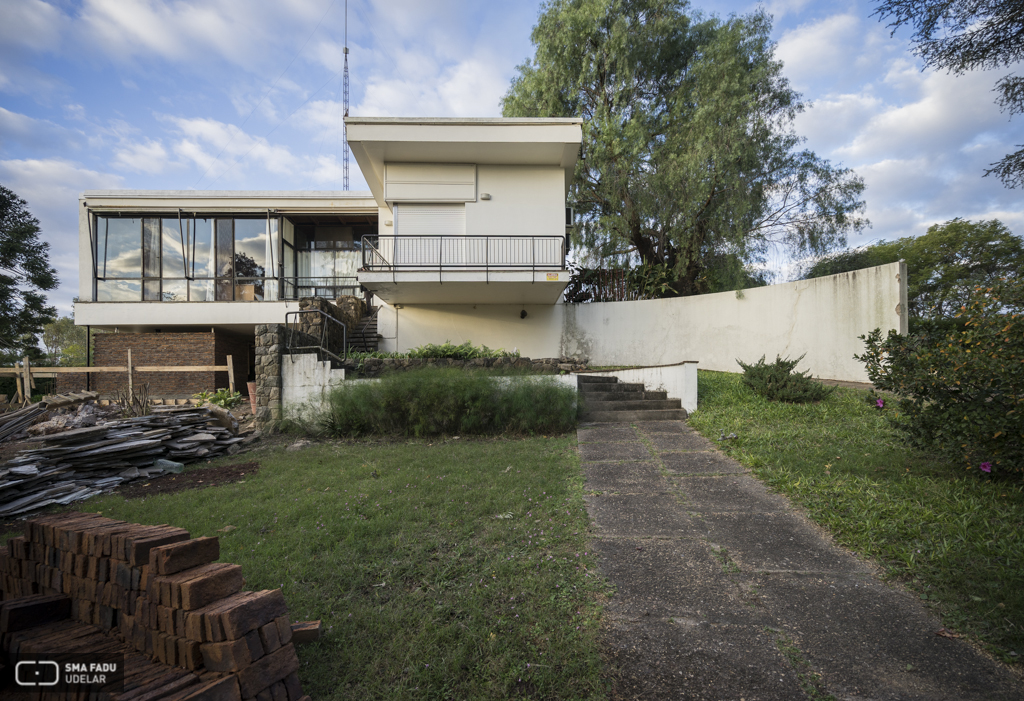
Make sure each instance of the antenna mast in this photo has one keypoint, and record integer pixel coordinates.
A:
(344, 126)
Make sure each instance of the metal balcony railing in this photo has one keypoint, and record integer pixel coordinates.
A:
(327, 287)
(447, 252)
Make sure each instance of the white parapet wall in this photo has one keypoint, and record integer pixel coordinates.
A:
(679, 380)
(305, 383)
(820, 319)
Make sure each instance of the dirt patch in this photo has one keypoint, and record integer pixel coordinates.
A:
(196, 479)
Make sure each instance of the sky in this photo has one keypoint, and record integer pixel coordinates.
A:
(247, 95)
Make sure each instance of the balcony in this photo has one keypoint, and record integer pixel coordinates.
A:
(447, 269)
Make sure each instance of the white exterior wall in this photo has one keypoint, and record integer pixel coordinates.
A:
(821, 318)
(525, 201)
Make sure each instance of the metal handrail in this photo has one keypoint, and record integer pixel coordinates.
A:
(446, 252)
(292, 332)
(370, 250)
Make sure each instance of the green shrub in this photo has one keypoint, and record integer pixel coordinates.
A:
(464, 351)
(778, 382)
(447, 401)
(223, 398)
(961, 392)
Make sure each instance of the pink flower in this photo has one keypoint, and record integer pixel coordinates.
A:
(880, 403)
(985, 467)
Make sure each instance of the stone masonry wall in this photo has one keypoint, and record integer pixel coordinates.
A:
(269, 346)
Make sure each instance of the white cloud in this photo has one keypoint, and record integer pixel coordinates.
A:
(470, 88)
(141, 157)
(30, 133)
(243, 32)
(51, 188)
(202, 140)
(31, 24)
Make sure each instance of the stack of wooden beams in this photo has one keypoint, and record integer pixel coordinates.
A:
(80, 463)
(156, 590)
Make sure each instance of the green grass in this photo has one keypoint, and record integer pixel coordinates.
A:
(423, 592)
(956, 539)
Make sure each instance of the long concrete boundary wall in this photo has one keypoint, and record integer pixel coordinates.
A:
(821, 318)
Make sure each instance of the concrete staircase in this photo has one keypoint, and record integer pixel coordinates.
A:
(606, 399)
(364, 337)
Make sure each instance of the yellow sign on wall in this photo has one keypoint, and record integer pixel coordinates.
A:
(553, 276)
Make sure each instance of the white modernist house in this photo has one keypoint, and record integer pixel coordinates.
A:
(462, 236)
(463, 211)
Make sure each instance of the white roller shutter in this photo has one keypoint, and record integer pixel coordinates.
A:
(430, 219)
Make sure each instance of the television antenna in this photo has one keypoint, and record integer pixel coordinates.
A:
(344, 126)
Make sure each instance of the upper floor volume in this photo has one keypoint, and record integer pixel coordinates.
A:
(468, 211)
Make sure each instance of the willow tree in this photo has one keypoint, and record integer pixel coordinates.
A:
(689, 158)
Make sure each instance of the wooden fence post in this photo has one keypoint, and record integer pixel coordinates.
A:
(231, 375)
(19, 397)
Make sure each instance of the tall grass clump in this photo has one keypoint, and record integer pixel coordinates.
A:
(447, 401)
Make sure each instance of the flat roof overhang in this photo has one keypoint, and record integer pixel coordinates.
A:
(496, 141)
(231, 201)
(467, 286)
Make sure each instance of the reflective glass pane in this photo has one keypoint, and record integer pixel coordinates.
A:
(225, 259)
(119, 248)
(200, 291)
(225, 290)
(174, 291)
(171, 248)
(202, 263)
(118, 291)
(150, 248)
(151, 290)
(252, 247)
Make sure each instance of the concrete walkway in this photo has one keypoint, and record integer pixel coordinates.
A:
(724, 591)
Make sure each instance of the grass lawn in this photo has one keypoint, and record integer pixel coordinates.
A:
(955, 538)
(441, 569)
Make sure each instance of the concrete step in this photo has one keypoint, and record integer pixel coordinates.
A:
(639, 405)
(623, 396)
(595, 379)
(630, 416)
(618, 387)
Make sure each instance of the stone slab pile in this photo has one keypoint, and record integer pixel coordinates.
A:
(80, 463)
(157, 595)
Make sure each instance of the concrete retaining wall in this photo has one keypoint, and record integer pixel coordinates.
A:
(821, 318)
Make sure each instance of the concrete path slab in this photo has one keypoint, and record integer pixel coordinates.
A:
(606, 435)
(623, 476)
(640, 515)
(711, 462)
(725, 493)
(665, 659)
(724, 591)
(592, 452)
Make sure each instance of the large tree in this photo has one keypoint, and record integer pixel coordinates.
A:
(689, 160)
(25, 273)
(944, 265)
(968, 35)
(65, 343)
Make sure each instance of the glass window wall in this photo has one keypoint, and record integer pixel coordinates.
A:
(188, 259)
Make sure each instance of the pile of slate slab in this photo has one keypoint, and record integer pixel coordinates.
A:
(80, 463)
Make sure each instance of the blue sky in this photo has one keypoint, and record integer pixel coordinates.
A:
(246, 94)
